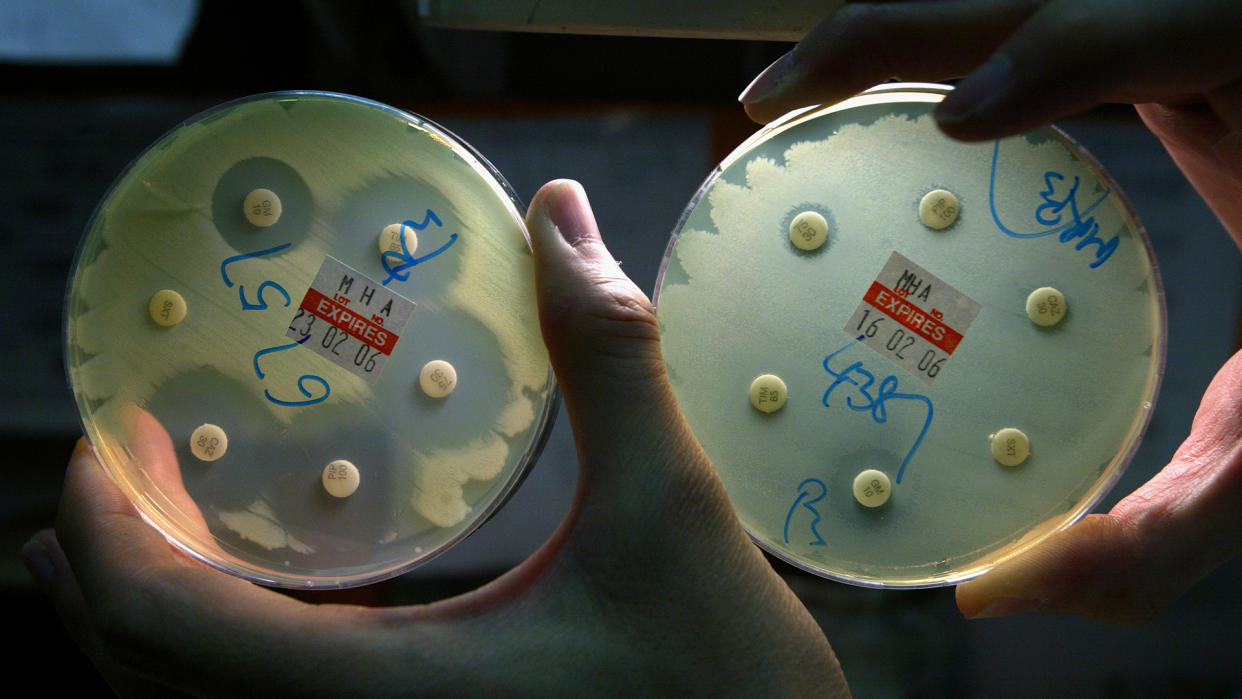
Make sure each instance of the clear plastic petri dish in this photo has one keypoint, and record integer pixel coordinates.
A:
(301, 333)
(970, 338)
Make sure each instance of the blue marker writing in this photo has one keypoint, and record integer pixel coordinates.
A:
(260, 304)
(863, 381)
(396, 263)
(810, 491)
(1059, 215)
(311, 400)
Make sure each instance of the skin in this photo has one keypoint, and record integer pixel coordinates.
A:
(1027, 63)
(604, 607)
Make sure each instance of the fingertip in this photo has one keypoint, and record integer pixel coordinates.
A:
(82, 457)
(581, 287)
(753, 114)
(977, 91)
(971, 131)
(1096, 569)
(560, 217)
(760, 98)
(996, 608)
(568, 210)
(763, 113)
(996, 593)
(550, 191)
(39, 555)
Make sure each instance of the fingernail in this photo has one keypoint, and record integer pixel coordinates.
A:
(1007, 606)
(38, 561)
(766, 82)
(570, 212)
(977, 92)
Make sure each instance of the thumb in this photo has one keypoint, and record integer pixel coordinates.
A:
(603, 340)
(1130, 565)
(1097, 569)
(600, 329)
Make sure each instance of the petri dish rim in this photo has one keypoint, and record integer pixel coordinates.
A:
(149, 510)
(915, 92)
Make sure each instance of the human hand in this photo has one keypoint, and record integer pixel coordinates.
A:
(649, 586)
(1027, 63)
(1030, 62)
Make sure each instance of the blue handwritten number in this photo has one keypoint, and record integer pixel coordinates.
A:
(862, 380)
(259, 372)
(261, 304)
(246, 256)
(1049, 213)
(1061, 215)
(301, 387)
(396, 263)
(815, 490)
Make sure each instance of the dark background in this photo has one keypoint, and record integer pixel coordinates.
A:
(640, 122)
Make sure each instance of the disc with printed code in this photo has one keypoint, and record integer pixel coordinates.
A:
(301, 332)
(969, 338)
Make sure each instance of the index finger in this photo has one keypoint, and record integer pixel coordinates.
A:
(864, 44)
(1128, 566)
(1026, 62)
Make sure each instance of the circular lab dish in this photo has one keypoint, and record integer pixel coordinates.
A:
(905, 347)
(302, 342)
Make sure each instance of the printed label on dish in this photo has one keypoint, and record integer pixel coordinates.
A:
(912, 317)
(351, 320)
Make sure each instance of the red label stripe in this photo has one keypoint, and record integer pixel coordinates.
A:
(895, 306)
(369, 332)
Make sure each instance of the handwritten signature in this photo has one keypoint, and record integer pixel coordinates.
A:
(1060, 214)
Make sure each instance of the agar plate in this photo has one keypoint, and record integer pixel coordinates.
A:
(905, 340)
(230, 280)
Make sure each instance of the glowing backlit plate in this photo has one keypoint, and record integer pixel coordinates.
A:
(304, 343)
(905, 347)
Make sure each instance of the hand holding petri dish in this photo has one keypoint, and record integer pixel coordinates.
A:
(971, 355)
(905, 301)
(246, 361)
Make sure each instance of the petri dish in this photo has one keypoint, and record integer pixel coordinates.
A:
(905, 340)
(302, 343)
